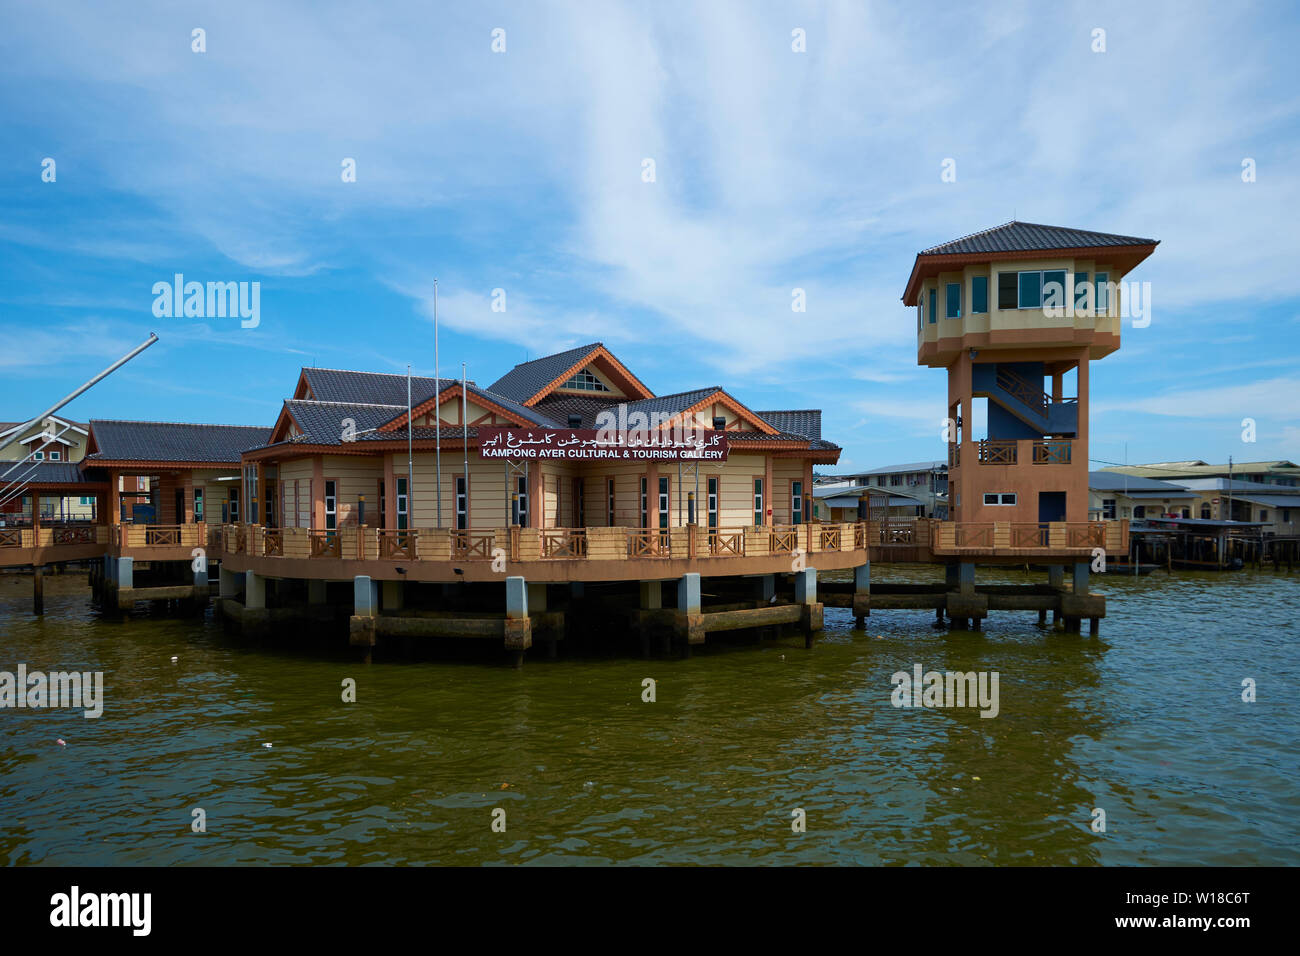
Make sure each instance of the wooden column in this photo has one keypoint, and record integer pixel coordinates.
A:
(259, 515)
(318, 492)
(114, 498)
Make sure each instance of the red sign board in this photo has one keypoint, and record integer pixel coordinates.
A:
(587, 444)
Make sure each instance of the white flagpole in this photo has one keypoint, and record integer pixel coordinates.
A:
(437, 409)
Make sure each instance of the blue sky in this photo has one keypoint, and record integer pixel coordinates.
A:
(522, 171)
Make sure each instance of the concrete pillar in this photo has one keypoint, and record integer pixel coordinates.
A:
(767, 588)
(652, 595)
(966, 577)
(805, 586)
(228, 582)
(862, 578)
(315, 591)
(1056, 575)
(365, 596)
(201, 578)
(125, 573)
(1081, 569)
(254, 590)
(393, 595)
(861, 594)
(950, 575)
(516, 598)
(688, 593)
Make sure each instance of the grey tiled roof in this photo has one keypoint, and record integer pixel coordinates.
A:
(174, 441)
(558, 408)
(528, 378)
(385, 388)
(801, 421)
(322, 422)
(1029, 236)
(47, 472)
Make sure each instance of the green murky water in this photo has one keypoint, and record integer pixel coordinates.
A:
(1146, 723)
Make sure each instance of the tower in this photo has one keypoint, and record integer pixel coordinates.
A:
(1017, 314)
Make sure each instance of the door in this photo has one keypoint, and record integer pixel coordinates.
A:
(1051, 507)
(180, 505)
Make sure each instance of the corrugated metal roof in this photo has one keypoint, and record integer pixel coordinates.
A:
(174, 441)
(1114, 481)
(1018, 236)
(1271, 501)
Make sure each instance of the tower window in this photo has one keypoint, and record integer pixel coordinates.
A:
(584, 381)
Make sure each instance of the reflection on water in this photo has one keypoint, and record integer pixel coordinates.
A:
(1146, 723)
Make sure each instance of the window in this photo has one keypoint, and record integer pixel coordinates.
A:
(232, 511)
(1286, 516)
(1205, 512)
(645, 504)
(332, 505)
(893, 479)
(56, 456)
(1102, 296)
(198, 504)
(934, 298)
(663, 502)
(1031, 290)
(609, 502)
(953, 303)
(38, 456)
(719, 423)
(796, 502)
(86, 501)
(1141, 511)
(1108, 508)
(979, 294)
(1081, 289)
(1006, 290)
(999, 498)
(521, 497)
(586, 382)
(1187, 512)
(713, 502)
(758, 501)
(462, 503)
(270, 503)
(1263, 514)
(402, 502)
(383, 505)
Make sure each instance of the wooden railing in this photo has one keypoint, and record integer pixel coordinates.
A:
(830, 538)
(469, 545)
(1030, 535)
(722, 543)
(273, 543)
(11, 537)
(564, 543)
(996, 451)
(1022, 390)
(1053, 452)
(1092, 535)
(398, 544)
(649, 543)
(974, 535)
(325, 544)
(783, 539)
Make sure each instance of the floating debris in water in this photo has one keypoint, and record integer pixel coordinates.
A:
(175, 659)
(267, 746)
(588, 785)
(61, 742)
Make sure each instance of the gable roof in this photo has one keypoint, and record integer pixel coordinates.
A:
(1024, 240)
(171, 441)
(530, 382)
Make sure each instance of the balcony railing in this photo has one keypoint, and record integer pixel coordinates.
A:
(564, 543)
(469, 545)
(1052, 452)
(326, 544)
(398, 544)
(994, 451)
(723, 543)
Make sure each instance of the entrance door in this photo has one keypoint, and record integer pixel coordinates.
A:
(1051, 506)
(180, 505)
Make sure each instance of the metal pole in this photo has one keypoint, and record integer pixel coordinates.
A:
(464, 432)
(410, 455)
(437, 408)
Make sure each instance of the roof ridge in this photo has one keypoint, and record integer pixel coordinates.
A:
(133, 421)
(317, 401)
(577, 348)
(981, 232)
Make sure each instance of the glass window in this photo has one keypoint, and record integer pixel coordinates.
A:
(56, 456)
(1031, 290)
(198, 504)
(713, 502)
(1082, 297)
(663, 502)
(979, 294)
(796, 502)
(609, 505)
(462, 503)
(953, 303)
(1054, 288)
(521, 493)
(934, 298)
(758, 501)
(586, 382)
(402, 499)
(1102, 297)
(38, 456)
(1108, 508)
(1007, 290)
(645, 504)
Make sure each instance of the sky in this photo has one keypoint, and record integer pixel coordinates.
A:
(524, 169)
